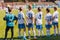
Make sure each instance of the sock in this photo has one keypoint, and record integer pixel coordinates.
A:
(29, 32)
(38, 32)
(24, 34)
(48, 32)
(54, 32)
(34, 33)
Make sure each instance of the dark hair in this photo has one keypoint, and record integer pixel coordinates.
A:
(47, 9)
(9, 9)
(20, 9)
(29, 6)
(39, 9)
(55, 8)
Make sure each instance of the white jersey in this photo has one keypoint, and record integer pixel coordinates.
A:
(55, 15)
(48, 18)
(21, 17)
(29, 15)
(39, 18)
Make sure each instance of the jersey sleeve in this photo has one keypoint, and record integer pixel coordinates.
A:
(23, 15)
(15, 17)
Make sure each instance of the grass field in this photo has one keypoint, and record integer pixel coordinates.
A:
(3, 26)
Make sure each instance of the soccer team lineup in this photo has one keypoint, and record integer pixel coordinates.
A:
(23, 23)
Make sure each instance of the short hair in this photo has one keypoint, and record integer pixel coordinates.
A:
(39, 8)
(9, 9)
(20, 8)
(29, 6)
(47, 9)
(55, 8)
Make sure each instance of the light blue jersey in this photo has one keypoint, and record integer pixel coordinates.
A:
(10, 19)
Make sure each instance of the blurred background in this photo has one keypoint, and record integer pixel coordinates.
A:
(34, 3)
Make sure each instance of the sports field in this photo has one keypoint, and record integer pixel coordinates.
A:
(3, 26)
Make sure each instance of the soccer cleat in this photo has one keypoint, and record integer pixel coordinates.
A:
(29, 37)
(12, 39)
(5, 39)
(19, 36)
(35, 37)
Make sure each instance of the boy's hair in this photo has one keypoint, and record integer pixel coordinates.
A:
(20, 8)
(47, 9)
(39, 9)
(9, 9)
(55, 8)
(29, 6)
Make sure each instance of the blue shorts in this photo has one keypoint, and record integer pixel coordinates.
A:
(30, 25)
(48, 26)
(39, 27)
(21, 26)
(55, 23)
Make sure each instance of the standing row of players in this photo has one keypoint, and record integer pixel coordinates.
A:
(30, 20)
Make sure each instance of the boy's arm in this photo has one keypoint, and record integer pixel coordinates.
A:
(4, 18)
(15, 18)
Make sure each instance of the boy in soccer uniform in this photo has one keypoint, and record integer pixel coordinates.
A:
(55, 21)
(48, 19)
(38, 20)
(30, 20)
(21, 24)
(9, 18)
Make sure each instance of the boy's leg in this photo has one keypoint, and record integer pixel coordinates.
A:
(54, 30)
(24, 32)
(19, 32)
(38, 32)
(29, 32)
(48, 32)
(58, 30)
(12, 32)
(34, 32)
(6, 31)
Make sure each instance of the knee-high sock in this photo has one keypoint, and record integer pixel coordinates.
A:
(34, 32)
(29, 32)
(48, 32)
(38, 32)
(24, 34)
(55, 31)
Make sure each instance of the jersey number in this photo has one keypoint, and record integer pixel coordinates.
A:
(19, 16)
(39, 17)
(30, 15)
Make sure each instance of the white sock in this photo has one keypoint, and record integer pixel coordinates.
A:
(24, 34)
(38, 32)
(48, 32)
(29, 32)
(34, 32)
(55, 32)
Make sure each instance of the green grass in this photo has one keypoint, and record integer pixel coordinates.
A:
(3, 26)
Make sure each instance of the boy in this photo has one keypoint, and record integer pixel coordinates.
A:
(55, 20)
(9, 18)
(30, 20)
(21, 24)
(48, 19)
(38, 20)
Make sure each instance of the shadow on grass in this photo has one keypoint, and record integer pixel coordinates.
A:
(52, 37)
